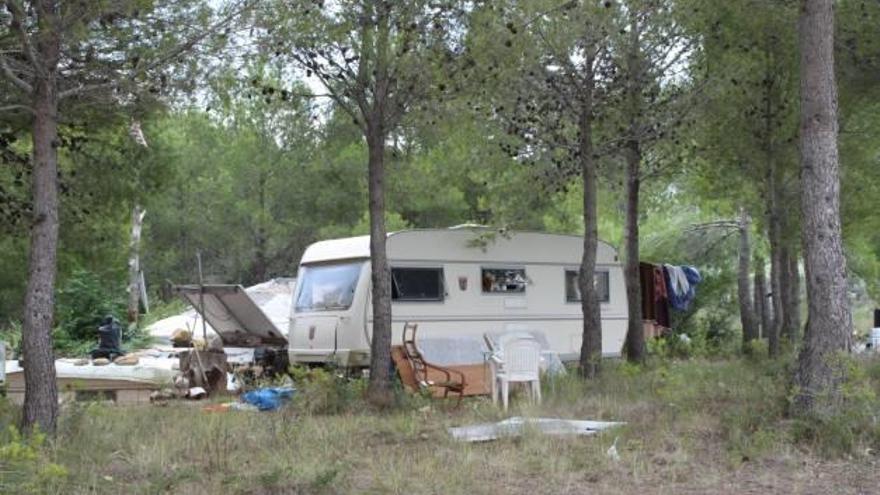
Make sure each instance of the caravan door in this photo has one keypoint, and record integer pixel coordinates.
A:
(324, 299)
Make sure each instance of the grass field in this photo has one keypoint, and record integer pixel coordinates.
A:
(695, 426)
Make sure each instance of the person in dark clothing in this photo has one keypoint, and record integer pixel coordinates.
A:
(109, 339)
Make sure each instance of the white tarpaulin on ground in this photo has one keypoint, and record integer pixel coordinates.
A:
(514, 427)
(272, 297)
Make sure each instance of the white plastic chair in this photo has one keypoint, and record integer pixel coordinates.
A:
(517, 360)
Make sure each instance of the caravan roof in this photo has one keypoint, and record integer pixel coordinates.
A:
(471, 244)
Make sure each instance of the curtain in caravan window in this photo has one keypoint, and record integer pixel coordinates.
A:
(417, 284)
(573, 291)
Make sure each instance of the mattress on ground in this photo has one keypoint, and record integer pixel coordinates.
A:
(149, 373)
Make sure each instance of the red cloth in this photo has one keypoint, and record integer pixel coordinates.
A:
(661, 297)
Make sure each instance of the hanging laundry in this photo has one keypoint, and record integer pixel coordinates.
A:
(655, 299)
(661, 298)
(681, 283)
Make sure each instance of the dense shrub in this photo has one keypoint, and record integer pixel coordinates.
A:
(326, 390)
(26, 464)
(84, 299)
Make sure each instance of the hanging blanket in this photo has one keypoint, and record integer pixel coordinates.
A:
(681, 283)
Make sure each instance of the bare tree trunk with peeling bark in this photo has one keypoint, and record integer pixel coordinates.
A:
(819, 375)
(134, 264)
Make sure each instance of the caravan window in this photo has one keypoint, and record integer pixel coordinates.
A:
(504, 280)
(573, 291)
(417, 284)
(327, 287)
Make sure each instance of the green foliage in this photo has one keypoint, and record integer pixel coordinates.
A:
(854, 428)
(84, 299)
(11, 335)
(326, 390)
(26, 464)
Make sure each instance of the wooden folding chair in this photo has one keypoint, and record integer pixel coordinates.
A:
(453, 380)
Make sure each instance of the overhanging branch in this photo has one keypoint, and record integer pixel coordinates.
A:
(9, 108)
(17, 81)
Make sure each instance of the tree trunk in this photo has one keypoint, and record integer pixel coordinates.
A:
(591, 344)
(379, 388)
(134, 264)
(41, 392)
(774, 236)
(634, 345)
(762, 306)
(785, 328)
(774, 205)
(829, 327)
(794, 288)
(744, 290)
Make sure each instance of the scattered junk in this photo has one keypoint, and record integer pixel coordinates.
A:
(244, 342)
(273, 298)
(181, 338)
(458, 283)
(196, 393)
(516, 426)
(204, 369)
(665, 287)
(268, 398)
(243, 335)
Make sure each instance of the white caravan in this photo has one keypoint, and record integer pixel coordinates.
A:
(452, 282)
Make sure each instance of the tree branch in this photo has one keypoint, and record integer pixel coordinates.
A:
(8, 108)
(86, 88)
(17, 81)
(171, 55)
(18, 25)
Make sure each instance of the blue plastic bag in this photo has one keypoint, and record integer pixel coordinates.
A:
(268, 399)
